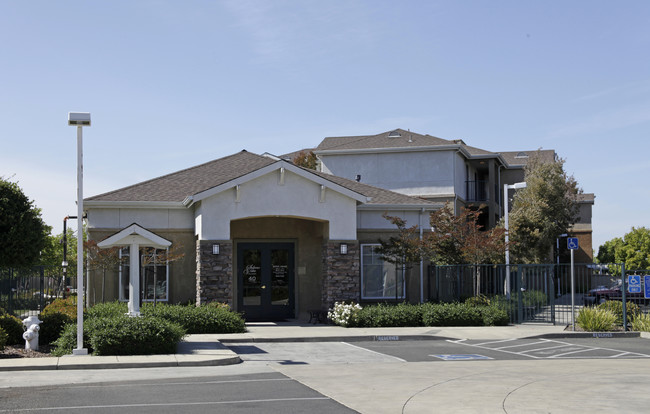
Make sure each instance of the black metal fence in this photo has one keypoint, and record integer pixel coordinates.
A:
(537, 293)
(25, 292)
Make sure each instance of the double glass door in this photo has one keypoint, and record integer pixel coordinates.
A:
(265, 274)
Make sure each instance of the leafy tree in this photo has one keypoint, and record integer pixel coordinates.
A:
(633, 249)
(546, 208)
(607, 252)
(402, 250)
(635, 252)
(455, 240)
(306, 159)
(461, 239)
(23, 234)
(52, 253)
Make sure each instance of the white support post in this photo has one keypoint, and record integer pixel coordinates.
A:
(80, 350)
(134, 280)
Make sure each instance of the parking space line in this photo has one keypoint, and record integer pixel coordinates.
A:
(492, 349)
(546, 348)
(571, 351)
(374, 352)
(584, 349)
(166, 404)
(520, 345)
(490, 342)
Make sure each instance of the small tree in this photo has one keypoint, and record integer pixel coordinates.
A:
(23, 234)
(306, 159)
(546, 208)
(454, 240)
(402, 250)
(102, 259)
(461, 239)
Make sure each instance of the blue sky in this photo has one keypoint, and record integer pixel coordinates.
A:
(173, 84)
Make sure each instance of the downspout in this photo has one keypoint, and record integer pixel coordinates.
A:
(499, 195)
(421, 260)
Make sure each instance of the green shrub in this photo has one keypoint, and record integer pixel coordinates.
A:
(478, 300)
(641, 323)
(534, 298)
(67, 306)
(451, 314)
(616, 307)
(52, 326)
(126, 335)
(383, 315)
(596, 319)
(68, 340)
(494, 316)
(107, 310)
(198, 319)
(123, 335)
(13, 327)
(218, 305)
(3, 339)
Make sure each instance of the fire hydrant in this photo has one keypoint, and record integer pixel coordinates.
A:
(30, 335)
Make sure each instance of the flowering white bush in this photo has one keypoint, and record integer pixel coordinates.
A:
(343, 313)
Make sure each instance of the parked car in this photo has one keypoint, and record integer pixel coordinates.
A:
(602, 294)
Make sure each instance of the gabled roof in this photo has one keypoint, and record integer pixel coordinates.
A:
(400, 139)
(520, 158)
(195, 183)
(137, 234)
(397, 138)
(175, 187)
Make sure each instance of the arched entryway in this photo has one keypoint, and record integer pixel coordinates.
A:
(278, 272)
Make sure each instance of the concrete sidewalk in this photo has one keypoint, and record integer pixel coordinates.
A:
(208, 349)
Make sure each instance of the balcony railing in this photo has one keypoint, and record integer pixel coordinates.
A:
(477, 190)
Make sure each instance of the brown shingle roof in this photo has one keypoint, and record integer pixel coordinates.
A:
(520, 158)
(384, 140)
(177, 186)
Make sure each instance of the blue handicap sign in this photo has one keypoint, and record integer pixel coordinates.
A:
(572, 243)
(634, 284)
(646, 280)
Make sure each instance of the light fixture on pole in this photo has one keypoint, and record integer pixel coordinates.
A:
(506, 187)
(80, 120)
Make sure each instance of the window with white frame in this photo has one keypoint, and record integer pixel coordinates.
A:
(154, 274)
(380, 279)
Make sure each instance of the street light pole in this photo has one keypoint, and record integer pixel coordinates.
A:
(507, 187)
(80, 119)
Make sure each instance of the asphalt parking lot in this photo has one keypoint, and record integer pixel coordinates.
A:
(513, 349)
(261, 393)
(305, 353)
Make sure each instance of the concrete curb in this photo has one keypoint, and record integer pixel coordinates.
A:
(342, 338)
(116, 362)
(569, 335)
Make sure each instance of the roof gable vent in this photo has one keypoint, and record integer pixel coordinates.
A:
(394, 134)
(521, 155)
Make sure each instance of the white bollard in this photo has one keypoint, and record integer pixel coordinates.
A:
(30, 335)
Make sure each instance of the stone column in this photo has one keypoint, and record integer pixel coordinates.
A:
(214, 272)
(341, 273)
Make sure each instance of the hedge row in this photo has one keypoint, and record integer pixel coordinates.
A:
(108, 331)
(428, 314)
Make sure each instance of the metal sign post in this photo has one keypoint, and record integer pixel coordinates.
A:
(572, 244)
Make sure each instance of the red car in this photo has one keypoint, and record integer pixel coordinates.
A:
(603, 293)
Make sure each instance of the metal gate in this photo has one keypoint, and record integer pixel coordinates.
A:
(25, 292)
(538, 293)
